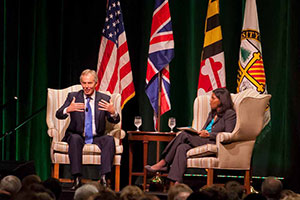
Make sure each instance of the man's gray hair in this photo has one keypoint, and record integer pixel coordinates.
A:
(11, 184)
(85, 191)
(89, 71)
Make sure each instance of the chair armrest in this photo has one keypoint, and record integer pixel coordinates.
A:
(224, 137)
(52, 132)
(117, 133)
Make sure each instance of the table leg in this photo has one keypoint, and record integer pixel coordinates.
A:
(145, 144)
(130, 163)
(157, 151)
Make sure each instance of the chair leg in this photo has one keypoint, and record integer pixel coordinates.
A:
(55, 172)
(210, 176)
(247, 181)
(117, 178)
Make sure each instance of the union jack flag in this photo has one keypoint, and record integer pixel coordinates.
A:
(161, 52)
(114, 69)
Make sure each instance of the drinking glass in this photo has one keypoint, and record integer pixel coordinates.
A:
(172, 123)
(137, 122)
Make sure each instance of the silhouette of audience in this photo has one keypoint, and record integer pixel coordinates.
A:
(32, 188)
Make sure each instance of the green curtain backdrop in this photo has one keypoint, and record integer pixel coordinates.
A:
(47, 43)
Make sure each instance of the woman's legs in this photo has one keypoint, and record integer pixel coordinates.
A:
(171, 155)
(178, 165)
(170, 150)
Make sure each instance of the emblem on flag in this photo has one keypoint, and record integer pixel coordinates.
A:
(251, 72)
(212, 67)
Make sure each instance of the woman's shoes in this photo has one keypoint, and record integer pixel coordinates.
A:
(149, 169)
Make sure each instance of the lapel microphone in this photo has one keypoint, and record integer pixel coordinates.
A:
(86, 110)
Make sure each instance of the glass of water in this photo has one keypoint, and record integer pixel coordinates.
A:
(172, 123)
(137, 122)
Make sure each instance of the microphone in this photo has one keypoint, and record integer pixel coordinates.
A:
(86, 110)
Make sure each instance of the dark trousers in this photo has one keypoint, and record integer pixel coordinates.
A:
(107, 145)
(175, 153)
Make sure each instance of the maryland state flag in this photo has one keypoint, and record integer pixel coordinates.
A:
(251, 73)
(212, 67)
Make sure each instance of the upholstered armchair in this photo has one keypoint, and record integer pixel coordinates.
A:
(232, 151)
(91, 152)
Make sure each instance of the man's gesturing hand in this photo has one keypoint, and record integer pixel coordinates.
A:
(75, 107)
(104, 105)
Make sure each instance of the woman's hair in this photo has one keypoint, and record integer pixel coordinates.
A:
(225, 100)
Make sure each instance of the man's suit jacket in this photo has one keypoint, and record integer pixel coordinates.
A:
(77, 118)
(224, 123)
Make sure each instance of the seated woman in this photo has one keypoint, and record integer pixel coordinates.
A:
(222, 118)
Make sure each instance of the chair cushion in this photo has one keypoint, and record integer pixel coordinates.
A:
(205, 162)
(87, 149)
(86, 159)
(203, 151)
(60, 146)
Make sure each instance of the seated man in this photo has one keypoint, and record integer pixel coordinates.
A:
(88, 110)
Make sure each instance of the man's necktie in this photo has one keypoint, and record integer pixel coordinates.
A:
(88, 123)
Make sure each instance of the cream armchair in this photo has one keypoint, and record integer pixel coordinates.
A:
(91, 152)
(232, 151)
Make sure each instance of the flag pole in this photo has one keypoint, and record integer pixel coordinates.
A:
(159, 101)
(158, 115)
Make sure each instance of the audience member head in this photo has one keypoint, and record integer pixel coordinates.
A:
(148, 197)
(36, 187)
(254, 196)
(289, 195)
(41, 191)
(26, 195)
(54, 186)
(234, 187)
(85, 191)
(203, 195)
(180, 189)
(106, 194)
(225, 100)
(98, 185)
(217, 192)
(30, 179)
(232, 195)
(45, 196)
(11, 184)
(271, 188)
(131, 192)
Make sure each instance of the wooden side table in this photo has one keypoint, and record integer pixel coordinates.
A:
(145, 137)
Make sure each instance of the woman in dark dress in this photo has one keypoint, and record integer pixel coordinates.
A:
(222, 118)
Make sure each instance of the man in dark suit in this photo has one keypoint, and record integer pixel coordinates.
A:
(88, 110)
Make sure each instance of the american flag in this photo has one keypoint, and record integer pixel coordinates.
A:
(114, 69)
(161, 52)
